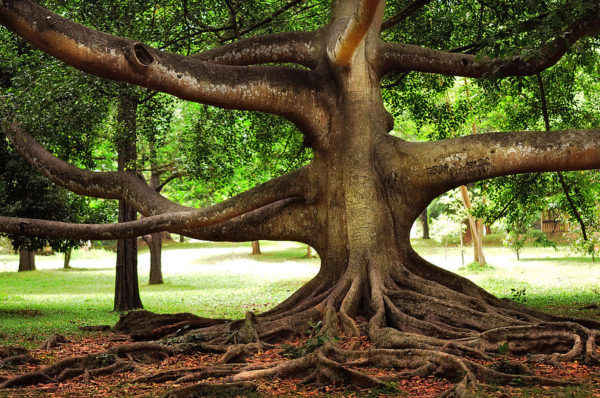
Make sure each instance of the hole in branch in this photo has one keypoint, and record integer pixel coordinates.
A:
(142, 55)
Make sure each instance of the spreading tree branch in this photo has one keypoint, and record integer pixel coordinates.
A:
(447, 164)
(124, 185)
(127, 186)
(351, 32)
(302, 48)
(288, 92)
(283, 220)
(450, 163)
(405, 57)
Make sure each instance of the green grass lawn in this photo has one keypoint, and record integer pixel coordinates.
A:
(224, 280)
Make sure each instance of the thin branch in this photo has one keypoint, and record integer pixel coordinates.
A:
(168, 180)
(403, 14)
(348, 36)
(407, 57)
(397, 81)
(268, 19)
(193, 34)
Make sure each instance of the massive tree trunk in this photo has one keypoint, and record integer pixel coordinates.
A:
(26, 260)
(355, 203)
(127, 294)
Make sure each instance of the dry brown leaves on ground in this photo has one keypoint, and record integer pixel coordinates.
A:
(586, 380)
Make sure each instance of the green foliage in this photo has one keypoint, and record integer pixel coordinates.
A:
(517, 238)
(503, 349)
(518, 295)
(388, 389)
(476, 267)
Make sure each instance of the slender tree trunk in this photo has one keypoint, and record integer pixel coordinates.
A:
(476, 227)
(309, 253)
(181, 239)
(425, 223)
(67, 258)
(127, 295)
(154, 242)
(255, 248)
(26, 260)
(156, 239)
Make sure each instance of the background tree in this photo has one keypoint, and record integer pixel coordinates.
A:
(358, 198)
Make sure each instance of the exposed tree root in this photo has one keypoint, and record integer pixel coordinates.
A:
(420, 328)
(16, 360)
(12, 351)
(54, 341)
(115, 360)
(146, 325)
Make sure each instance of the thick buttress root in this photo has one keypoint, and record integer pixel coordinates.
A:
(418, 328)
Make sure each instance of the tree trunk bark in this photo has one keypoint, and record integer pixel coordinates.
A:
(156, 239)
(67, 258)
(155, 246)
(26, 260)
(255, 248)
(476, 228)
(425, 223)
(127, 294)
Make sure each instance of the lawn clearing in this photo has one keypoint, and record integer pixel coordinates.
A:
(207, 279)
(225, 280)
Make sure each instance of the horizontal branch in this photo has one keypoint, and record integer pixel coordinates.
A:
(288, 92)
(406, 57)
(124, 185)
(127, 186)
(284, 220)
(302, 48)
(450, 163)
